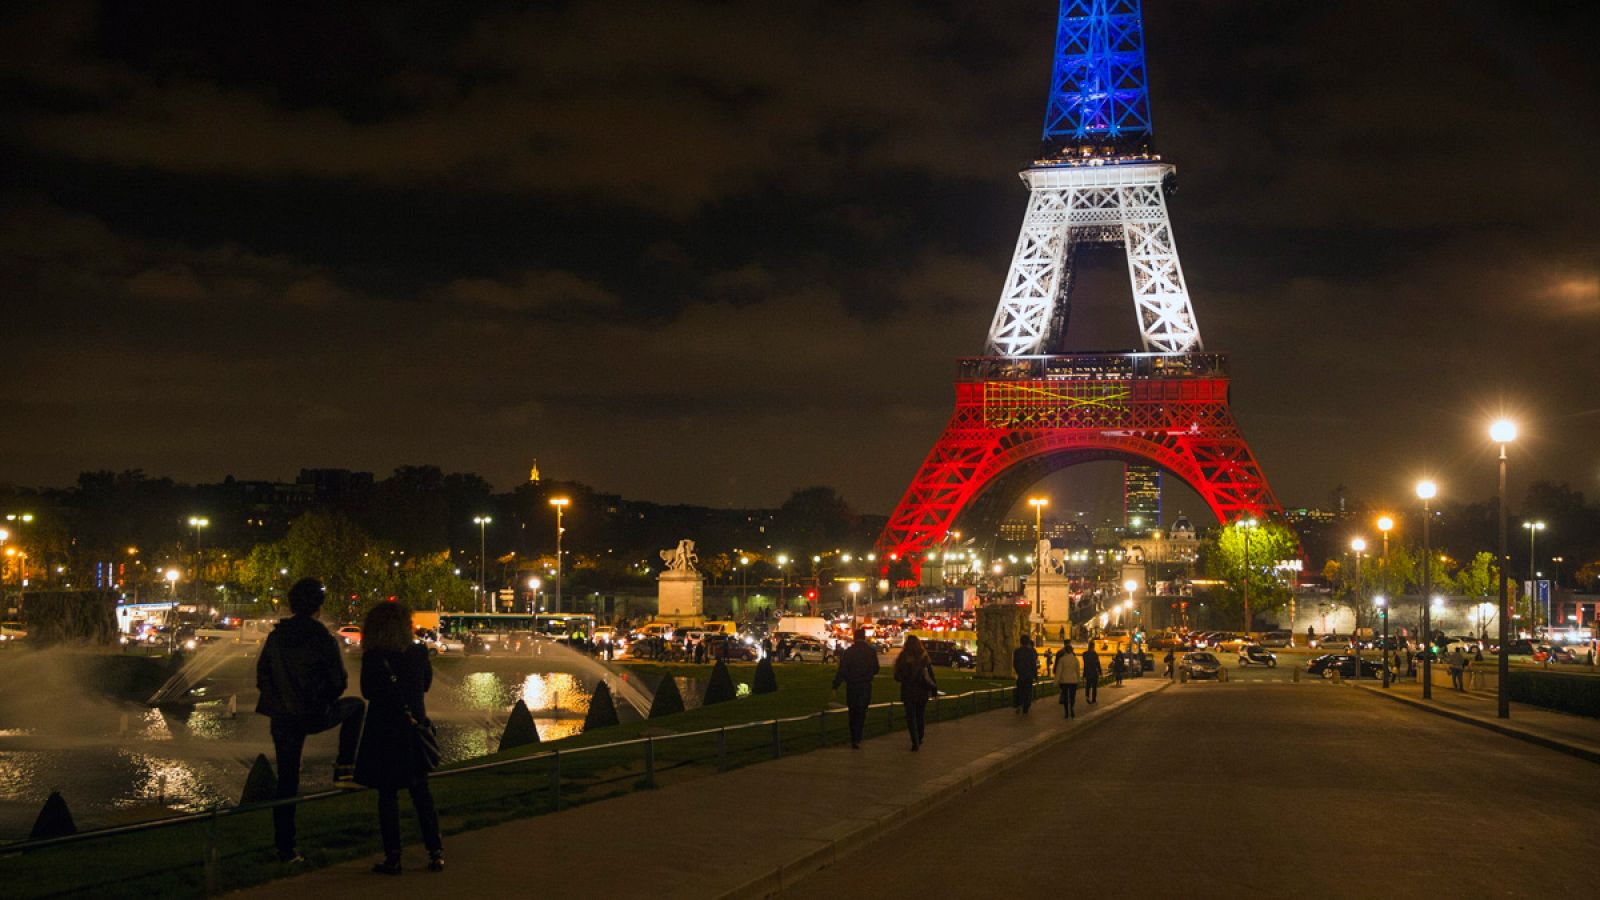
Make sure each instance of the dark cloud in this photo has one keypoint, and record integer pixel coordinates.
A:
(710, 252)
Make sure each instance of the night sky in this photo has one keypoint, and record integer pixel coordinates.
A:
(713, 252)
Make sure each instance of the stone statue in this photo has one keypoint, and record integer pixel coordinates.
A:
(681, 559)
(1051, 561)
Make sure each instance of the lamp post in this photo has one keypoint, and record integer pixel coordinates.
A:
(483, 594)
(855, 589)
(783, 582)
(1533, 618)
(744, 568)
(172, 576)
(198, 523)
(561, 504)
(1038, 504)
(1503, 432)
(1358, 546)
(533, 587)
(1130, 586)
(1426, 491)
(1382, 603)
(1247, 526)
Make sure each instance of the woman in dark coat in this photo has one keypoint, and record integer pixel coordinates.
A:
(1091, 673)
(914, 670)
(395, 674)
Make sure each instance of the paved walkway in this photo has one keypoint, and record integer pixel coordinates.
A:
(747, 832)
(1576, 735)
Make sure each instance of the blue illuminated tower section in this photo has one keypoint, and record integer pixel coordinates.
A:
(1099, 96)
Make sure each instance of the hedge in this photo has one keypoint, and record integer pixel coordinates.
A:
(1578, 694)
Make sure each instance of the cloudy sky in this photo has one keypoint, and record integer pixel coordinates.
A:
(711, 252)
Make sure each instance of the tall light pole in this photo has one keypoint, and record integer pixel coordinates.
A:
(855, 590)
(1382, 603)
(1503, 432)
(1358, 546)
(1533, 619)
(1038, 504)
(533, 588)
(1426, 491)
(19, 520)
(561, 504)
(198, 523)
(172, 576)
(1246, 526)
(483, 594)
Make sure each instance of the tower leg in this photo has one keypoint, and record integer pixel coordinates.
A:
(1160, 298)
(1027, 315)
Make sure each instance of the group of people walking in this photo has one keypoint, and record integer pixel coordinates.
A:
(384, 741)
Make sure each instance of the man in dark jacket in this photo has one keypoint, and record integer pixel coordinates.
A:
(857, 666)
(1025, 662)
(301, 677)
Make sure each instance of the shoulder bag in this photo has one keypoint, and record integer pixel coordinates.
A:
(423, 733)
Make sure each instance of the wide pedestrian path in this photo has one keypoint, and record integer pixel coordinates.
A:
(1577, 735)
(746, 832)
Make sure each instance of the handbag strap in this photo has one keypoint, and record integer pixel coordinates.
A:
(400, 693)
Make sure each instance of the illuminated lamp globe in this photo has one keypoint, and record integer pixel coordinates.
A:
(1427, 490)
(1503, 431)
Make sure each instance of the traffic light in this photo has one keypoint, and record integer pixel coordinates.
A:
(811, 594)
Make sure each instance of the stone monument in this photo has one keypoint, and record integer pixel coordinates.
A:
(1000, 630)
(1054, 589)
(681, 593)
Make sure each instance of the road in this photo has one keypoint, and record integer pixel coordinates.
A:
(1254, 790)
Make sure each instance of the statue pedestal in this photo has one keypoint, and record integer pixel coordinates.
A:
(1000, 630)
(682, 598)
(1056, 593)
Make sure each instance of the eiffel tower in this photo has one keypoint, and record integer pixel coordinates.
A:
(1023, 410)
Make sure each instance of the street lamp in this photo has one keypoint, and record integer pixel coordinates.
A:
(1038, 504)
(483, 526)
(1383, 649)
(533, 587)
(561, 504)
(783, 581)
(198, 523)
(855, 588)
(1130, 586)
(1426, 491)
(1358, 546)
(1533, 618)
(1246, 526)
(1503, 432)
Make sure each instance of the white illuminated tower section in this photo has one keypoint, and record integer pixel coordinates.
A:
(1097, 182)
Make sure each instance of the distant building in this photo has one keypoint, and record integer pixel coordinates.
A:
(1171, 553)
(334, 485)
(1141, 498)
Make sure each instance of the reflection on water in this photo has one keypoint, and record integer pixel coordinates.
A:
(119, 762)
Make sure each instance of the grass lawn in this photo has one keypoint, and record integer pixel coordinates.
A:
(236, 851)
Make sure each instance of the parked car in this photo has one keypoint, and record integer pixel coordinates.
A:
(1257, 655)
(12, 631)
(1201, 664)
(1344, 664)
(1334, 642)
(1275, 639)
(729, 647)
(949, 653)
(349, 636)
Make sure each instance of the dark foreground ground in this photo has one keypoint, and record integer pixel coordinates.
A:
(1256, 790)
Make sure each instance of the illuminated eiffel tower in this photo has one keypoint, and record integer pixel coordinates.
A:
(1022, 410)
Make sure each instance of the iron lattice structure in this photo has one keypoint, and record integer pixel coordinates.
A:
(1021, 410)
(1099, 95)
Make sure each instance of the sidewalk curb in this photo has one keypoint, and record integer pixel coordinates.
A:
(1571, 748)
(844, 837)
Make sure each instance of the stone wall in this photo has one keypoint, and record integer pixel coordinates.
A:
(1000, 631)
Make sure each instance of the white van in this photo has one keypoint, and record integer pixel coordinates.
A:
(810, 626)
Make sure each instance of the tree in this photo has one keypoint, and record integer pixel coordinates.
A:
(331, 547)
(814, 519)
(720, 688)
(668, 699)
(520, 729)
(1268, 543)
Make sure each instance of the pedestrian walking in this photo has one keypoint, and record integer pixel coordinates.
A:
(1049, 660)
(1068, 675)
(858, 664)
(395, 674)
(1025, 662)
(1119, 666)
(1457, 661)
(1167, 661)
(301, 679)
(1091, 674)
(914, 670)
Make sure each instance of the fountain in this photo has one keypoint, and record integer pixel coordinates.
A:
(622, 684)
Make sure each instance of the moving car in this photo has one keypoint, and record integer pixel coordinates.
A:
(1257, 655)
(1334, 642)
(949, 653)
(1201, 664)
(349, 636)
(1344, 664)
(804, 648)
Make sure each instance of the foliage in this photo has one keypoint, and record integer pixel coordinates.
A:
(261, 784)
(70, 617)
(520, 729)
(1268, 544)
(668, 700)
(55, 820)
(766, 679)
(720, 688)
(330, 546)
(1479, 578)
(602, 710)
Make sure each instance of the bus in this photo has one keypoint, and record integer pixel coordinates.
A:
(510, 632)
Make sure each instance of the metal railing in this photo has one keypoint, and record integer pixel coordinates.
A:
(474, 795)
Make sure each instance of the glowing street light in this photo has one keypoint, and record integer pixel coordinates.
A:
(1038, 504)
(561, 504)
(855, 589)
(533, 587)
(1503, 432)
(1358, 546)
(1426, 491)
(483, 595)
(1246, 526)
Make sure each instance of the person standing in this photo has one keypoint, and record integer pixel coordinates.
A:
(1457, 660)
(301, 679)
(858, 665)
(1068, 674)
(1119, 665)
(1091, 674)
(1025, 662)
(914, 670)
(395, 674)
(1169, 672)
